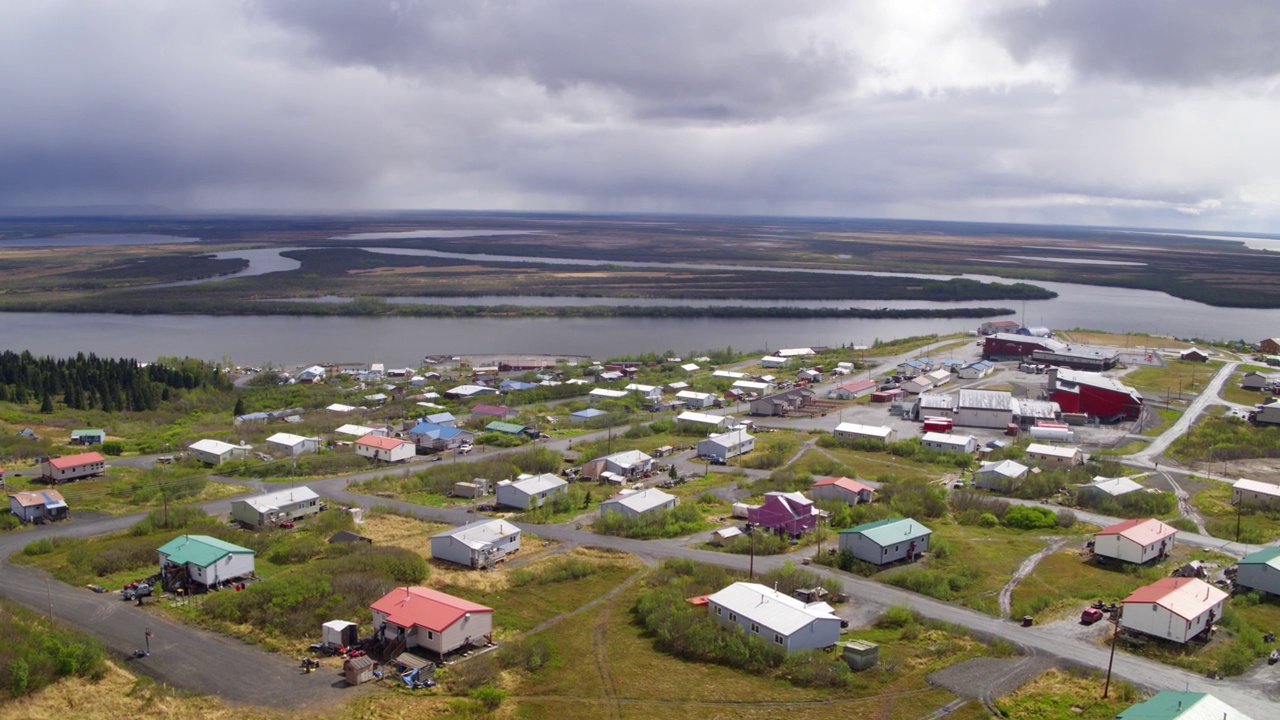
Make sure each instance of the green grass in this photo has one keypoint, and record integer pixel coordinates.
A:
(1178, 378)
(1257, 525)
(1167, 419)
(1232, 392)
(882, 465)
(126, 490)
(1062, 695)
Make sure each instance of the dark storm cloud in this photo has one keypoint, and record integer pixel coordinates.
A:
(1182, 42)
(713, 61)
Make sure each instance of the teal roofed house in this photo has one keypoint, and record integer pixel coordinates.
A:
(1171, 705)
(190, 560)
(88, 436)
(1260, 571)
(886, 541)
(504, 427)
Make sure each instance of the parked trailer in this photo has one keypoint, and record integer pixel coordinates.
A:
(1052, 433)
(936, 424)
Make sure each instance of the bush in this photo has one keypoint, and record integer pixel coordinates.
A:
(679, 520)
(815, 668)
(1026, 517)
(465, 677)
(529, 653)
(113, 448)
(489, 696)
(33, 655)
(987, 520)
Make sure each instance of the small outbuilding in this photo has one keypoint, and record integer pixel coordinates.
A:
(358, 670)
(38, 506)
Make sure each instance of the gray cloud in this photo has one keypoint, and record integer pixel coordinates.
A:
(1183, 42)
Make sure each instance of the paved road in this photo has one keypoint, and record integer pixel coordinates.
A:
(1147, 456)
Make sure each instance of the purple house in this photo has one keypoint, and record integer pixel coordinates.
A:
(784, 512)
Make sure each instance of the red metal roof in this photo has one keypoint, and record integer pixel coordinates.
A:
(844, 482)
(1143, 531)
(496, 410)
(1185, 597)
(382, 443)
(856, 385)
(70, 461)
(409, 606)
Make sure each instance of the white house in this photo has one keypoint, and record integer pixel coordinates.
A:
(205, 560)
(1058, 455)
(940, 377)
(841, 489)
(975, 370)
(1136, 541)
(441, 418)
(854, 431)
(480, 544)
(722, 447)
(530, 492)
(377, 447)
(1253, 492)
(470, 391)
(606, 394)
(713, 422)
(1260, 571)
(274, 507)
(638, 503)
(1002, 476)
(1104, 487)
(216, 452)
(729, 374)
(358, 431)
(776, 618)
(917, 385)
(770, 362)
(886, 541)
(1179, 705)
(690, 367)
(948, 443)
(313, 374)
(73, 467)
(419, 617)
(651, 393)
(290, 444)
(698, 400)
(1176, 609)
(38, 505)
(984, 408)
(629, 463)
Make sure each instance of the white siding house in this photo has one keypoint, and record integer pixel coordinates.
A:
(1253, 492)
(73, 467)
(947, 443)
(1136, 541)
(479, 544)
(1260, 571)
(216, 452)
(289, 444)
(699, 400)
(530, 492)
(377, 447)
(723, 447)
(1057, 455)
(984, 408)
(38, 505)
(886, 541)
(636, 504)
(271, 508)
(774, 617)
(431, 620)
(854, 431)
(713, 422)
(1176, 609)
(205, 560)
(1002, 476)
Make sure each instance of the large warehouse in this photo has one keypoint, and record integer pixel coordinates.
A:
(1006, 346)
(1085, 392)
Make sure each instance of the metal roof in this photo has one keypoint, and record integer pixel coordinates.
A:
(199, 550)
(890, 531)
(640, 502)
(879, 431)
(31, 498)
(1257, 486)
(1265, 556)
(70, 461)
(1188, 598)
(1143, 531)
(504, 427)
(539, 483)
(985, 400)
(1007, 468)
(770, 608)
(407, 607)
(1114, 487)
(381, 442)
(947, 439)
(1097, 380)
(478, 534)
(1061, 451)
(698, 417)
(627, 458)
(287, 439)
(273, 500)
(1174, 705)
(728, 439)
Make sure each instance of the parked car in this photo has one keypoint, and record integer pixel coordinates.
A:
(1090, 616)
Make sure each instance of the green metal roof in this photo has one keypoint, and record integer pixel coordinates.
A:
(505, 427)
(890, 530)
(1164, 705)
(1262, 557)
(199, 550)
(82, 433)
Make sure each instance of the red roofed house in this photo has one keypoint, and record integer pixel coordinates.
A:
(385, 448)
(850, 492)
(1176, 609)
(432, 620)
(854, 389)
(501, 412)
(73, 467)
(788, 512)
(1136, 541)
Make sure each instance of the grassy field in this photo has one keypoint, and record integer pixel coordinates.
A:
(1257, 526)
(1061, 695)
(125, 490)
(874, 465)
(1178, 380)
(1064, 582)
(1232, 392)
(1131, 340)
(1167, 419)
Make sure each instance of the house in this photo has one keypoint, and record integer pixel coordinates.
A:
(1194, 355)
(73, 467)
(506, 428)
(728, 374)
(698, 400)
(1172, 608)
(650, 393)
(290, 444)
(775, 617)
(530, 492)
(997, 326)
(939, 377)
(441, 418)
(38, 506)
(1093, 394)
(841, 489)
(1056, 455)
(629, 463)
(436, 438)
(784, 512)
(854, 431)
(88, 436)
(690, 367)
(885, 541)
(464, 392)
(357, 431)
(809, 375)
(984, 408)
(1255, 381)
(1255, 493)
(587, 415)
(724, 446)
(771, 362)
(1104, 488)
(340, 408)
(794, 352)
(854, 389)
(1266, 413)
(313, 374)
(1174, 705)
(948, 443)
(917, 385)
(1137, 541)
(713, 422)
(392, 450)
(205, 560)
(975, 370)
(606, 394)
(634, 505)
(1260, 571)
(1002, 476)
(275, 507)
(480, 544)
(781, 403)
(1269, 346)
(419, 617)
(510, 386)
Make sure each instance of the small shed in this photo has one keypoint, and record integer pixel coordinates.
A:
(723, 535)
(358, 669)
(859, 654)
(339, 633)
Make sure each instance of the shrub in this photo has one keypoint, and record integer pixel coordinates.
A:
(473, 674)
(897, 616)
(113, 448)
(1067, 518)
(529, 653)
(1026, 517)
(679, 520)
(815, 668)
(9, 522)
(987, 520)
(489, 696)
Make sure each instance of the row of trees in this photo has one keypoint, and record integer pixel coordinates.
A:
(87, 382)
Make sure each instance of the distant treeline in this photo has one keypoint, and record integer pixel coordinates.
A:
(90, 382)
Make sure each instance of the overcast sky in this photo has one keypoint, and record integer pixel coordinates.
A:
(1124, 112)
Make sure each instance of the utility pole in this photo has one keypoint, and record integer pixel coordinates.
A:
(751, 567)
(49, 593)
(1107, 686)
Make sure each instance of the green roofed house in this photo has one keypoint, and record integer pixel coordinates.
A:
(1172, 705)
(88, 436)
(886, 541)
(1260, 571)
(504, 427)
(190, 560)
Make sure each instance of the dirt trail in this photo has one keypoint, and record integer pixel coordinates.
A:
(1185, 508)
(1006, 592)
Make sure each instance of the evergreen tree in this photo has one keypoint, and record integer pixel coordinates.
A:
(239, 409)
(46, 405)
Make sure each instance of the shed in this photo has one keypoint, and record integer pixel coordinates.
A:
(358, 669)
(723, 535)
(339, 633)
(859, 654)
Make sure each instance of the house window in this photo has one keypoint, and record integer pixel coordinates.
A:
(733, 617)
(431, 635)
(719, 610)
(755, 628)
(777, 639)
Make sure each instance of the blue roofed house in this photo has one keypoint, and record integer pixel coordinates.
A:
(431, 436)
(441, 418)
(38, 506)
(507, 386)
(587, 415)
